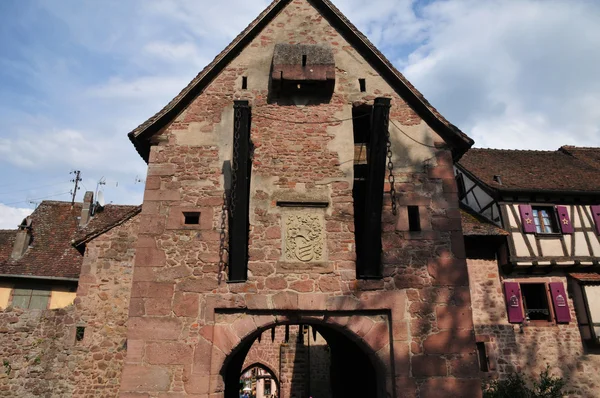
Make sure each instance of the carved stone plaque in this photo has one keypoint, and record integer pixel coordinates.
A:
(303, 238)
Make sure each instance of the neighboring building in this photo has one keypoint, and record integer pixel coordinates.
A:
(533, 252)
(39, 265)
(279, 124)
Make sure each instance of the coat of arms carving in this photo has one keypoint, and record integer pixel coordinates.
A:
(303, 238)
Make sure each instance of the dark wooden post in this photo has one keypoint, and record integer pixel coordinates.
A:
(240, 194)
(371, 261)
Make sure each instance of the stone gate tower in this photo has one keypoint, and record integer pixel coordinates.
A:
(300, 179)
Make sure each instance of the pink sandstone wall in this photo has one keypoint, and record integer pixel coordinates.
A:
(529, 351)
(40, 354)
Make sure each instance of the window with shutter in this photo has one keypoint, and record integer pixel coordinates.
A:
(564, 220)
(527, 219)
(514, 306)
(596, 216)
(561, 304)
(544, 219)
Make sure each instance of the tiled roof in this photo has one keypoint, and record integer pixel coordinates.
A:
(586, 277)
(54, 226)
(141, 134)
(475, 225)
(573, 170)
(104, 220)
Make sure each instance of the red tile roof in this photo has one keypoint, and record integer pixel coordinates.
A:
(476, 225)
(54, 226)
(565, 170)
(141, 134)
(586, 277)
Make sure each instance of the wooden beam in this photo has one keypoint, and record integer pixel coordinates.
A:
(240, 194)
(369, 266)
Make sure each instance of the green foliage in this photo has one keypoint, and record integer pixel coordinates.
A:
(7, 367)
(516, 386)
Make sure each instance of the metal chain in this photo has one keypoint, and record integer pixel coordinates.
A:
(222, 237)
(390, 164)
(234, 163)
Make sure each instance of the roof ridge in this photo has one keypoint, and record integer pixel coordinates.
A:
(513, 150)
(585, 148)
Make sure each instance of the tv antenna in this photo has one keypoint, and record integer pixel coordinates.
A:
(99, 195)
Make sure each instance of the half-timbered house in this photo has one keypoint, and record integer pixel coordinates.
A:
(534, 273)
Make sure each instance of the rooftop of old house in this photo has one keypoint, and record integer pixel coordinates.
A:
(474, 224)
(568, 169)
(54, 231)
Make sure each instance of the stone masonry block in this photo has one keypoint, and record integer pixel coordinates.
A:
(454, 317)
(168, 353)
(154, 328)
(456, 341)
(428, 366)
(451, 387)
(448, 271)
(146, 378)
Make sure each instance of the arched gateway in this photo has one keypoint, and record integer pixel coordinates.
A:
(356, 369)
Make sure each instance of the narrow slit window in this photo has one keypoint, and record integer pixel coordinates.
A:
(79, 333)
(304, 60)
(244, 83)
(363, 85)
(483, 358)
(191, 218)
(414, 219)
(361, 124)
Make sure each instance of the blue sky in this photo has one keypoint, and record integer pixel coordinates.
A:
(76, 76)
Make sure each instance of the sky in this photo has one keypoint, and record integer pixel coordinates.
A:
(77, 75)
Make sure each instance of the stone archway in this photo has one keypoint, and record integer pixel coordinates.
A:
(361, 354)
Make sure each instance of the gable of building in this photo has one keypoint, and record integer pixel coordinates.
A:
(141, 137)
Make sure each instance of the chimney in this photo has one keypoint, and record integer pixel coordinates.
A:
(86, 210)
(22, 239)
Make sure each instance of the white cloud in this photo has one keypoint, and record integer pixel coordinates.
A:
(11, 217)
(513, 74)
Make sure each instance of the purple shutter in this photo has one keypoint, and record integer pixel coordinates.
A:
(596, 216)
(565, 222)
(561, 305)
(527, 219)
(514, 309)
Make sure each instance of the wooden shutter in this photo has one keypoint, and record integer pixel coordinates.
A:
(596, 216)
(563, 218)
(527, 219)
(561, 304)
(514, 307)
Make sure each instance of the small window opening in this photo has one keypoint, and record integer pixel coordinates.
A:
(304, 60)
(414, 219)
(483, 358)
(535, 301)
(363, 85)
(191, 218)
(244, 83)
(79, 333)
(544, 218)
